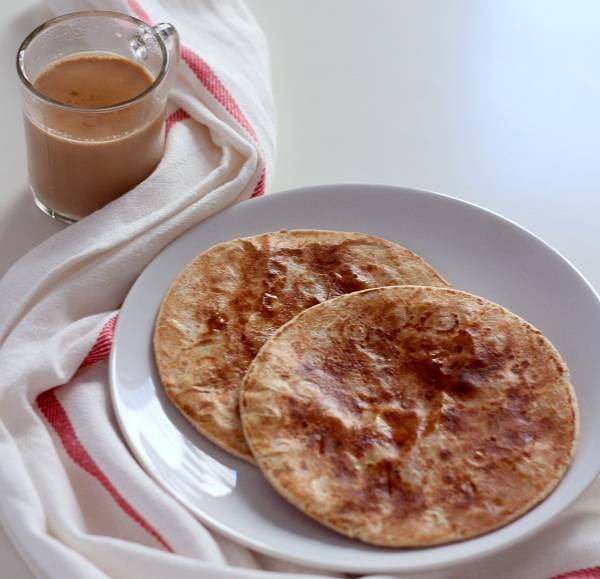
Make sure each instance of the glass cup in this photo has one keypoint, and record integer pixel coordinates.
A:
(81, 158)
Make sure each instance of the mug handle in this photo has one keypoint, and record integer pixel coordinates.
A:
(170, 37)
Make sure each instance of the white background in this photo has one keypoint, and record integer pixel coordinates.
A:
(493, 101)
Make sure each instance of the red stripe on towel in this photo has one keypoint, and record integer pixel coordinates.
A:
(175, 117)
(260, 186)
(215, 87)
(101, 349)
(57, 417)
(589, 573)
(205, 75)
(137, 9)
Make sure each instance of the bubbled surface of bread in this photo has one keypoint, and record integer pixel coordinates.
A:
(229, 301)
(410, 416)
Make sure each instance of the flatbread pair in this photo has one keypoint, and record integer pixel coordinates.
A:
(379, 401)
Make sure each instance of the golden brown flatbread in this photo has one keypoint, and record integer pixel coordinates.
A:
(410, 416)
(227, 302)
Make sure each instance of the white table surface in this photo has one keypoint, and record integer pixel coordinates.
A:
(496, 102)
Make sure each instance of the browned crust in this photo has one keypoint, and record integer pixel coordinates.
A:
(410, 416)
(229, 300)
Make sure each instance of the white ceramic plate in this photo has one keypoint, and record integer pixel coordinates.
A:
(474, 249)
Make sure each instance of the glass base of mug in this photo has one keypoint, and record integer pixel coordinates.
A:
(49, 211)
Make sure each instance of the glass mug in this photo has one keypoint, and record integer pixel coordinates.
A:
(82, 157)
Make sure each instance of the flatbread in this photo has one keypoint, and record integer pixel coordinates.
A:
(228, 301)
(410, 416)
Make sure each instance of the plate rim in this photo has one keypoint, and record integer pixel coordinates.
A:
(215, 525)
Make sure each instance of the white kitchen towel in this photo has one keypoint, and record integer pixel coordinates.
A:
(73, 501)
